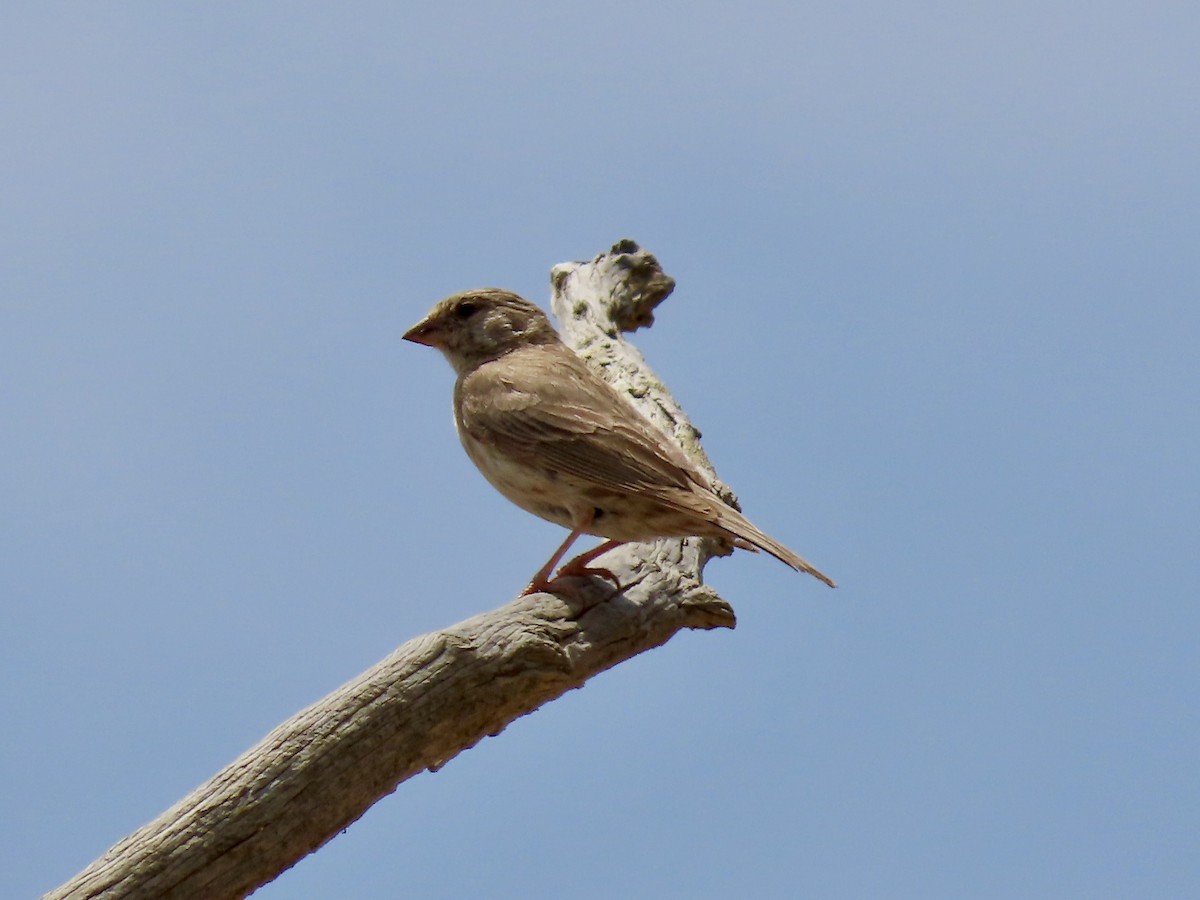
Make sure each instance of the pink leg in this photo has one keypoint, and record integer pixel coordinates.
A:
(541, 580)
(579, 565)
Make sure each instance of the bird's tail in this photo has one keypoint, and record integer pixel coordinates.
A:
(739, 526)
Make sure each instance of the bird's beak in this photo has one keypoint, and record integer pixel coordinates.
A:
(424, 332)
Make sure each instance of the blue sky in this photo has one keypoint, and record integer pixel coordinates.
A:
(937, 318)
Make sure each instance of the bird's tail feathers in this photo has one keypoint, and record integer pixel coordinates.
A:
(741, 527)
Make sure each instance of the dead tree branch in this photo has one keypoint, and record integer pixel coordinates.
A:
(440, 693)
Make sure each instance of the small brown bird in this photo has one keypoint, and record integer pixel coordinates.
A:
(559, 442)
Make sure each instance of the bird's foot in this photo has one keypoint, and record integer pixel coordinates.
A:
(569, 571)
(580, 565)
(537, 586)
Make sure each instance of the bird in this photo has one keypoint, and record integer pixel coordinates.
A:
(561, 443)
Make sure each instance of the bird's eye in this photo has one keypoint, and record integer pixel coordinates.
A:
(466, 309)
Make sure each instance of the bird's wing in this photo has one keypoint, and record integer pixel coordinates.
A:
(542, 406)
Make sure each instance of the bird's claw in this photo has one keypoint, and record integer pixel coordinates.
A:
(567, 571)
(537, 586)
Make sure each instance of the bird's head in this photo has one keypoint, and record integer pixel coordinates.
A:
(481, 325)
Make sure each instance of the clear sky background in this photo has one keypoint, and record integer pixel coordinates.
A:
(937, 317)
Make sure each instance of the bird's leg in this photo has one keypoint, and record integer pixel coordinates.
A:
(579, 565)
(541, 580)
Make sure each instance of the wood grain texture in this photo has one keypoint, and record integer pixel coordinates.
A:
(440, 693)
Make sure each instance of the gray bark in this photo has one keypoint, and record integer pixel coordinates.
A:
(440, 693)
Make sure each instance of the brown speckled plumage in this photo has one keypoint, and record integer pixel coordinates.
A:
(561, 443)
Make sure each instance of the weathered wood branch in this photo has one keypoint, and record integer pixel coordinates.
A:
(441, 693)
